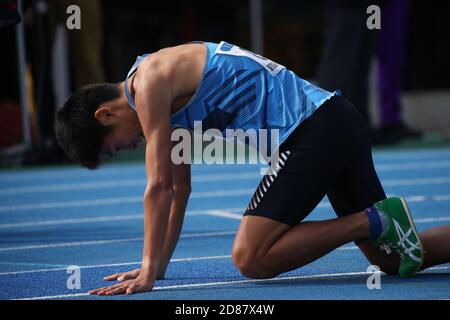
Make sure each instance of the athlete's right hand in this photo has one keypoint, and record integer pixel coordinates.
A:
(122, 276)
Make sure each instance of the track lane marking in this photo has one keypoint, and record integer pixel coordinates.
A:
(194, 195)
(234, 282)
(216, 213)
(246, 175)
(106, 218)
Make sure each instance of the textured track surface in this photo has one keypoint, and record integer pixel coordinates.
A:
(56, 217)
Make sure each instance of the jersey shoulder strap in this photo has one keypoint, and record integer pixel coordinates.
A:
(130, 73)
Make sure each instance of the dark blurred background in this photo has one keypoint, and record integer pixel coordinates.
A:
(397, 76)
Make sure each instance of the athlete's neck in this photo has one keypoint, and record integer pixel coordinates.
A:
(123, 97)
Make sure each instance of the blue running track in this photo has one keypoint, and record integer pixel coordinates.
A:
(52, 218)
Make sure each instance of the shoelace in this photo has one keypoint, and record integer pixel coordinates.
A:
(406, 244)
(385, 247)
(388, 249)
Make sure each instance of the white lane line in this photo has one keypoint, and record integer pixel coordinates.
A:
(68, 173)
(113, 265)
(120, 183)
(125, 171)
(232, 213)
(221, 193)
(442, 198)
(416, 182)
(30, 264)
(66, 204)
(342, 248)
(56, 297)
(219, 283)
(117, 200)
(416, 198)
(410, 156)
(413, 198)
(323, 204)
(216, 213)
(106, 218)
(137, 172)
(428, 158)
(74, 186)
(59, 222)
(224, 214)
(412, 165)
(134, 263)
(194, 195)
(230, 283)
(425, 165)
(112, 241)
(201, 178)
(208, 194)
(70, 244)
(428, 220)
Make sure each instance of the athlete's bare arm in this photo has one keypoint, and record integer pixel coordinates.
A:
(161, 85)
(181, 177)
(180, 69)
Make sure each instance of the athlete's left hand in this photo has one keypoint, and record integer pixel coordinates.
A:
(140, 284)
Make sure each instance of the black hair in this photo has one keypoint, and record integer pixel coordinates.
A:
(78, 132)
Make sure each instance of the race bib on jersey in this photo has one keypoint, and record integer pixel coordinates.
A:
(229, 49)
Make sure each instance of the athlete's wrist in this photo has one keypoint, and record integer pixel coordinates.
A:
(149, 270)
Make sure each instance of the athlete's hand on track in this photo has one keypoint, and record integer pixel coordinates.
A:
(138, 284)
(125, 283)
(121, 276)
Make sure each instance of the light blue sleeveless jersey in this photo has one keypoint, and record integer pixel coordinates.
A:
(242, 90)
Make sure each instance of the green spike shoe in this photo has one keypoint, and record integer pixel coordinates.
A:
(401, 235)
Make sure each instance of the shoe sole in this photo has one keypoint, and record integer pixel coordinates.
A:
(413, 226)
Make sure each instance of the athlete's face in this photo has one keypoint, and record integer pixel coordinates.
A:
(126, 130)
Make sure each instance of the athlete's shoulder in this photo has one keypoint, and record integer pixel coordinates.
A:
(171, 59)
(179, 68)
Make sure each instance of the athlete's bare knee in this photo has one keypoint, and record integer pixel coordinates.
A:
(251, 265)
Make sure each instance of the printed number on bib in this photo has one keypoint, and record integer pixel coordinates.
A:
(226, 48)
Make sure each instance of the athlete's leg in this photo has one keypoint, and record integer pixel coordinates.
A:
(388, 263)
(271, 238)
(264, 248)
(435, 243)
(359, 187)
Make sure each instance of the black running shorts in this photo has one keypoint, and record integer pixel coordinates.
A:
(327, 154)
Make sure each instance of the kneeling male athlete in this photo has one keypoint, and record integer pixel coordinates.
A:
(324, 149)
